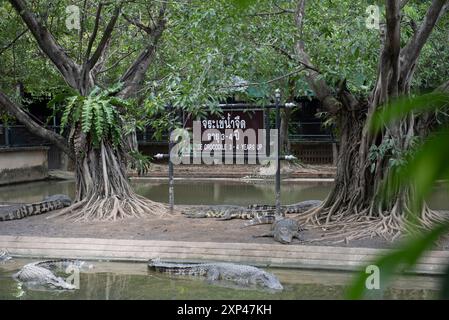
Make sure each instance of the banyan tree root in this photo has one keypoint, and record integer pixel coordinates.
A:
(345, 226)
(103, 190)
(112, 208)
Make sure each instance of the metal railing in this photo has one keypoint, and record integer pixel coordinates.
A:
(19, 136)
(310, 131)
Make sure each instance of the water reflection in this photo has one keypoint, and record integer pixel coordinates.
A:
(113, 280)
(201, 192)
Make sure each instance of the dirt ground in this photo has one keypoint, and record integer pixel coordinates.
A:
(175, 227)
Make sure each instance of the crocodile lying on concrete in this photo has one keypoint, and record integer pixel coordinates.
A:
(284, 230)
(298, 207)
(19, 211)
(227, 212)
(242, 275)
(41, 273)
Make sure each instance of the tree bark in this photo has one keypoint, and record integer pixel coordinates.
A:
(102, 188)
(356, 197)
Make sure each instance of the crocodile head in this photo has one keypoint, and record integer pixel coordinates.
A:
(268, 280)
(284, 235)
(4, 256)
(59, 283)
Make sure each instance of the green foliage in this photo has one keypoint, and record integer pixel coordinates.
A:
(398, 260)
(98, 113)
(141, 163)
(398, 109)
(387, 148)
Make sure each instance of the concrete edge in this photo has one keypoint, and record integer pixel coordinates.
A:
(263, 255)
(233, 179)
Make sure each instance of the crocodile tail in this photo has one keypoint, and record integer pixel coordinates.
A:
(32, 209)
(19, 213)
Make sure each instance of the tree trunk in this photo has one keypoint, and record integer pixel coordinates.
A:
(364, 202)
(103, 191)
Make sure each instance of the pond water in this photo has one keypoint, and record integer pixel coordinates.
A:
(114, 280)
(119, 280)
(202, 192)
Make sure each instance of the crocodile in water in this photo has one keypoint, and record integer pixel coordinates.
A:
(242, 275)
(41, 273)
(4, 256)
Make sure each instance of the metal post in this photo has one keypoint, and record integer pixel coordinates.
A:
(7, 142)
(278, 161)
(267, 131)
(171, 192)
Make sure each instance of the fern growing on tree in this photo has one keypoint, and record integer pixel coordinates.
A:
(97, 113)
(97, 133)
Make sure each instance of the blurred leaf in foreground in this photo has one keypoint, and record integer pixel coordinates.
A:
(397, 261)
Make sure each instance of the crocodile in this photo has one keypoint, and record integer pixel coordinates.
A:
(4, 256)
(19, 211)
(254, 211)
(41, 273)
(298, 207)
(242, 275)
(284, 230)
(226, 212)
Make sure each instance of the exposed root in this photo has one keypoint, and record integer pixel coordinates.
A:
(103, 189)
(112, 208)
(345, 226)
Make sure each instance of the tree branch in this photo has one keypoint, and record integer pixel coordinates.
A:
(443, 87)
(94, 32)
(116, 63)
(403, 4)
(410, 53)
(105, 38)
(282, 9)
(299, 69)
(138, 24)
(264, 14)
(282, 51)
(390, 54)
(32, 126)
(68, 68)
(134, 76)
(314, 79)
(12, 42)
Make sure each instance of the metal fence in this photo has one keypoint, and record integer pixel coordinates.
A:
(19, 136)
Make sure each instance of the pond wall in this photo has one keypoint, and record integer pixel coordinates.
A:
(21, 164)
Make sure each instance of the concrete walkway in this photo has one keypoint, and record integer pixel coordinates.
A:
(272, 255)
